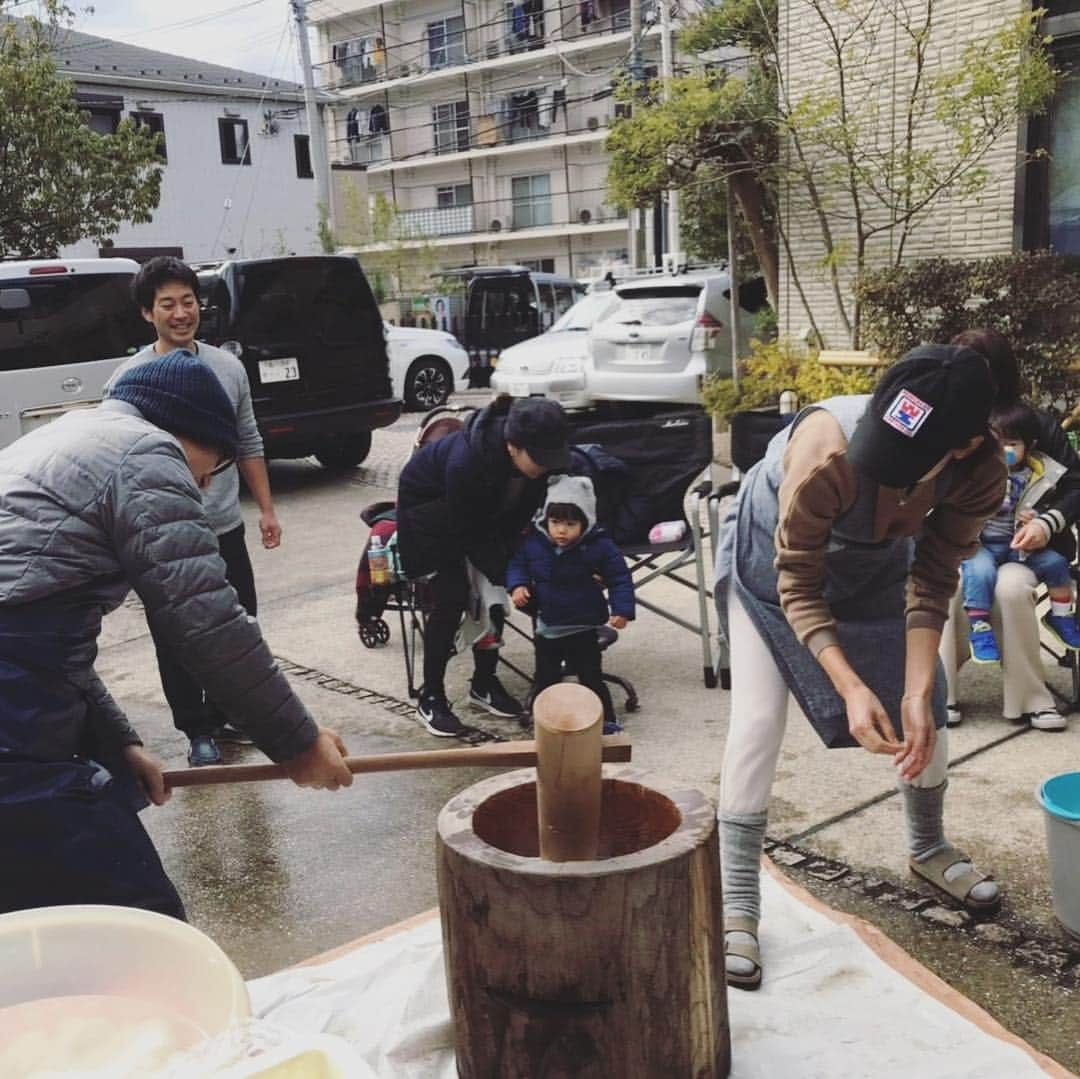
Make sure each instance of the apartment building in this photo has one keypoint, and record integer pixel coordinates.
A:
(483, 123)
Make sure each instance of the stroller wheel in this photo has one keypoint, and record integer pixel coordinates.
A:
(382, 631)
(369, 634)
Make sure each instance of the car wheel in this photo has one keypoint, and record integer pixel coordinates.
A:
(428, 384)
(345, 452)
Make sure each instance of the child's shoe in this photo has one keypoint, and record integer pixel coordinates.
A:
(612, 726)
(1063, 629)
(984, 646)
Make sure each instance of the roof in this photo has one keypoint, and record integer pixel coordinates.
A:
(101, 59)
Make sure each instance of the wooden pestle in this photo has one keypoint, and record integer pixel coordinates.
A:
(569, 749)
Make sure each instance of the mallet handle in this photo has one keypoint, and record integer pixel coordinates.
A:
(617, 749)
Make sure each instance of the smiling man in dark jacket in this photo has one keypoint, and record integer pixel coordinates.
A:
(100, 502)
(469, 496)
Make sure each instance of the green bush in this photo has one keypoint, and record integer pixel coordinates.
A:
(775, 366)
(1033, 298)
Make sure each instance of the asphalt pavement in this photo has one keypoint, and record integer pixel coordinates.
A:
(276, 874)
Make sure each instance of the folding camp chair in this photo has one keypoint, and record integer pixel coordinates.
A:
(665, 453)
(1065, 657)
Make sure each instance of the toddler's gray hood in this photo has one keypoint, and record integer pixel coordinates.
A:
(578, 491)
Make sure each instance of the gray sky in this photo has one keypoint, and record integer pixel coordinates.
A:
(253, 35)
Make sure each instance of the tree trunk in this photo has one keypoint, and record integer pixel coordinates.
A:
(747, 191)
(592, 969)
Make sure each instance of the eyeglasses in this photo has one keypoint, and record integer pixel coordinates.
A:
(222, 466)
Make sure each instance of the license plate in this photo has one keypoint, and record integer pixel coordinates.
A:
(286, 369)
(519, 389)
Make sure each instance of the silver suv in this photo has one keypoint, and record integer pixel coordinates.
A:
(665, 335)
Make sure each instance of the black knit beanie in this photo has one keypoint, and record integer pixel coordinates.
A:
(934, 399)
(181, 395)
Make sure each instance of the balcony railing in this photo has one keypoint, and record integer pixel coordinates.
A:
(366, 59)
(559, 209)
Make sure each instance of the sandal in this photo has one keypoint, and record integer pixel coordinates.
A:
(959, 888)
(740, 923)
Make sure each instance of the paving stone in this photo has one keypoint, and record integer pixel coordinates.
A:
(875, 887)
(1040, 955)
(853, 880)
(787, 856)
(993, 933)
(950, 919)
(826, 870)
(916, 903)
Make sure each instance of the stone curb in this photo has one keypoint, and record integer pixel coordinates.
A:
(1042, 954)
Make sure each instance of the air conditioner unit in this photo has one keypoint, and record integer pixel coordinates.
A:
(495, 226)
(585, 216)
(593, 123)
(492, 49)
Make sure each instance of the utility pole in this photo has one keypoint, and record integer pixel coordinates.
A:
(636, 74)
(316, 136)
(667, 73)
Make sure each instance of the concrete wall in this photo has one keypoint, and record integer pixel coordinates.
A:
(954, 227)
(208, 207)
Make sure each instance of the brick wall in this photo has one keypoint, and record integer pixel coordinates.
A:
(953, 227)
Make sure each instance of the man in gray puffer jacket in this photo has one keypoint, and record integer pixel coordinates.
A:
(97, 503)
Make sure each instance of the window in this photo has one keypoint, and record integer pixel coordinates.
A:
(302, 149)
(538, 265)
(155, 122)
(359, 58)
(524, 22)
(564, 296)
(446, 42)
(103, 111)
(235, 148)
(532, 200)
(547, 304)
(453, 195)
(451, 127)
(71, 319)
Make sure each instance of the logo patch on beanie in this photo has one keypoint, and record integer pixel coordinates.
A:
(907, 413)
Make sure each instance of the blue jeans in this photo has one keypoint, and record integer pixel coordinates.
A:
(979, 572)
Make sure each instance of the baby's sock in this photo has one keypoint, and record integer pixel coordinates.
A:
(1062, 607)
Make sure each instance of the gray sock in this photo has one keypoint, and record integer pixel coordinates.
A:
(926, 833)
(742, 837)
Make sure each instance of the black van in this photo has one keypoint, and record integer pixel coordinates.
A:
(310, 335)
(508, 304)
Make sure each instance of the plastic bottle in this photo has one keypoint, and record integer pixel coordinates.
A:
(378, 563)
(667, 532)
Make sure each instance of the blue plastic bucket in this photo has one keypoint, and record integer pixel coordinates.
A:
(1060, 798)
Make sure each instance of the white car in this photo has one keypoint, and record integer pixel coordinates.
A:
(553, 364)
(426, 366)
(665, 335)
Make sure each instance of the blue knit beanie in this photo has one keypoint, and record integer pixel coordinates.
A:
(181, 395)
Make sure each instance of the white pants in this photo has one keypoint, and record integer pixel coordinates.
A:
(1017, 630)
(759, 707)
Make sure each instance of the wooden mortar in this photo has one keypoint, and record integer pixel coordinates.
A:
(611, 967)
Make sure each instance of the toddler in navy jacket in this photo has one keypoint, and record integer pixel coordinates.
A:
(563, 566)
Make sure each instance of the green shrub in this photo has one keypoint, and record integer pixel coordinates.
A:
(775, 366)
(1033, 298)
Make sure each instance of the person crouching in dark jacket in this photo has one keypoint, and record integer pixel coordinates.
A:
(469, 496)
(98, 502)
(563, 565)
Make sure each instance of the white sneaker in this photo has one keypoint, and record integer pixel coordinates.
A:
(1048, 720)
(953, 716)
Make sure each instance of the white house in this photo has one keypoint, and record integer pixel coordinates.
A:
(237, 178)
(483, 123)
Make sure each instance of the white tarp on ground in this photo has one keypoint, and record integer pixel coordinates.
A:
(829, 1007)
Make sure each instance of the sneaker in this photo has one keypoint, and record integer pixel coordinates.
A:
(438, 717)
(494, 699)
(1049, 719)
(612, 726)
(984, 646)
(1064, 630)
(228, 733)
(203, 750)
(953, 716)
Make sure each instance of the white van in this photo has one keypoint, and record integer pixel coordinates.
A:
(64, 326)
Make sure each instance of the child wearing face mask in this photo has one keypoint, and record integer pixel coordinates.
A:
(1032, 476)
